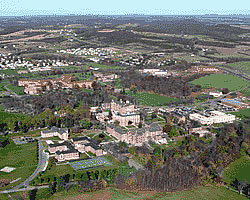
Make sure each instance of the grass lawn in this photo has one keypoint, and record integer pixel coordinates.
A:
(198, 193)
(231, 82)
(243, 114)
(16, 89)
(246, 91)
(2, 84)
(239, 169)
(150, 99)
(5, 115)
(101, 66)
(241, 66)
(9, 71)
(22, 157)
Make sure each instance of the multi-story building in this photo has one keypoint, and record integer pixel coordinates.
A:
(62, 133)
(39, 86)
(212, 118)
(136, 136)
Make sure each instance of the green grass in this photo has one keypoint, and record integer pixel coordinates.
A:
(231, 82)
(9, 71)
(246, 91)
(101, 66)
(239, 169)
(241, 66)
(150, 99)
(6, 115)
(22, 157)
(16, 89)
(243, 114)
(198, 193)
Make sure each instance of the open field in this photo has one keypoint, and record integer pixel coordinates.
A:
(101, 66)
(241, 66)
(239, 169)
(198, 193)
(150, 99)
(231, 82)
(22, 157)
(16, 89)
(9, 71)
(6, 115)
(243, 114)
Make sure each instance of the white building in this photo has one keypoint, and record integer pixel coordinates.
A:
(213, 118)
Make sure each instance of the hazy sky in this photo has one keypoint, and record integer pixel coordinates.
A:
(39, 7)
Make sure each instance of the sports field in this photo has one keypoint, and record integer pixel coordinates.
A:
(89, 163)
(150, 99)
(231, 82)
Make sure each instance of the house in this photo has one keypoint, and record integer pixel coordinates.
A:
(62, 133)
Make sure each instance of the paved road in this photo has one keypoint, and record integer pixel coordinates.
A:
(24, 189)
(42, 164)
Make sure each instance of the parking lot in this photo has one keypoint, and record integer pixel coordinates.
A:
(23, 140)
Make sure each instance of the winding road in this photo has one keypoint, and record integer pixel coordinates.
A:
(42, 164)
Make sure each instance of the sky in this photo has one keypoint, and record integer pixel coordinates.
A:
(123, 7)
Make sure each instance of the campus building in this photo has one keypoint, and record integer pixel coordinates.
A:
(39, 86)
(212, 118)
(62, 133)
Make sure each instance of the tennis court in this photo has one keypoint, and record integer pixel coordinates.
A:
(89, 163)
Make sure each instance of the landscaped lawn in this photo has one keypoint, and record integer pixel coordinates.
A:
(231, 82)
(239, 169)
(150, 99)
(22, 157)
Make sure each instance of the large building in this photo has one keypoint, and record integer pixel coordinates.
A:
(39, 86)
(62, 133)
(136, 136)
(212, 118)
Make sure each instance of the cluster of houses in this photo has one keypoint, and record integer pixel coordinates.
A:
(70, 149)
(93, 54)
(39, 86)
(105, 78)
(202, 69)
(8, 62)
(158, 72)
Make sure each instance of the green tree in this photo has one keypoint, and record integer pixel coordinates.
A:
(85, 123)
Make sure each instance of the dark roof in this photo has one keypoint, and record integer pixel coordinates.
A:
(80, 139)
(55, 129)
(69, 146)
(67, 151)
(93, 146)
(154, 127)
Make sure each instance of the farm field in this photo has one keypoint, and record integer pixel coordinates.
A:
(149, 99)
(22, 157)
(231, 82)
(241, 66)
(238, 169)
